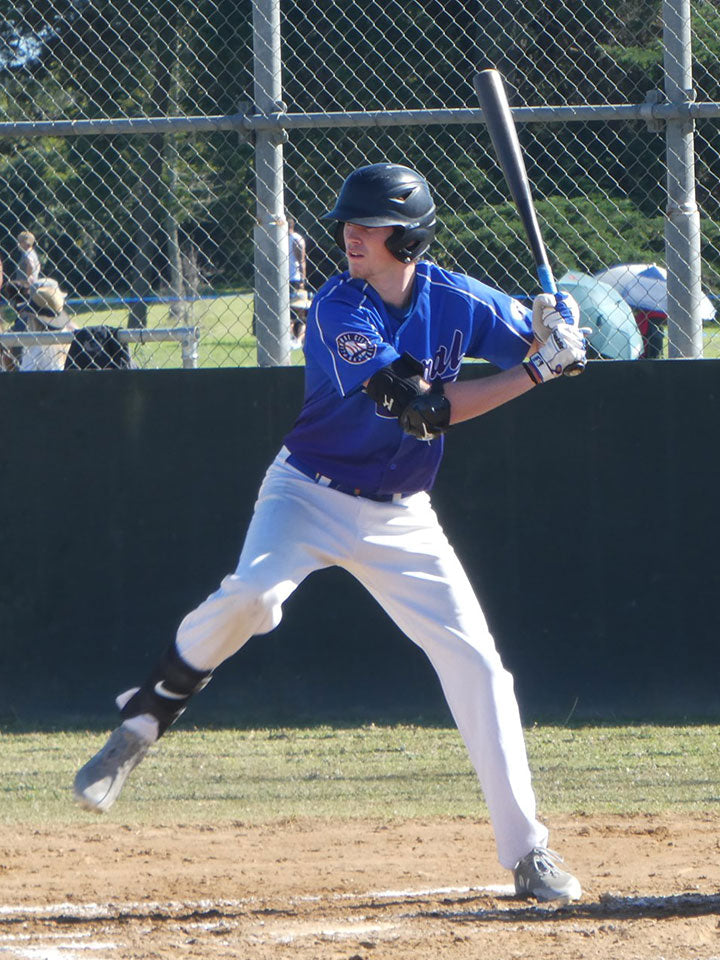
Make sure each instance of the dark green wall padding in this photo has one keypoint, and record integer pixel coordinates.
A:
(586, 513)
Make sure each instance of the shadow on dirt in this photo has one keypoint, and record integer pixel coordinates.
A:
(608, 907)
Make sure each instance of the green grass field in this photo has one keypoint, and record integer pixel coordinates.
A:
(380, 771)
(226, 338)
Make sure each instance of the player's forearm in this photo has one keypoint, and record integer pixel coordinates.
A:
(472, 398)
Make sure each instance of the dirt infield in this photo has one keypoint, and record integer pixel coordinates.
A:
(353, 890)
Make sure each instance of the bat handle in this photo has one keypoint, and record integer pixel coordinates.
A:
(547, 281)
(548, 285)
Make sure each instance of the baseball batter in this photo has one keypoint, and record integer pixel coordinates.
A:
(384, 345)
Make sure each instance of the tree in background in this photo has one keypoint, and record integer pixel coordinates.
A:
(114, 210)
(123, 212)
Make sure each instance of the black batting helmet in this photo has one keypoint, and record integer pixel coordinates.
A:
(388, 195)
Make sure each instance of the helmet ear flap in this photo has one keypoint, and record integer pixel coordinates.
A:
(396, 246)
(408, 244)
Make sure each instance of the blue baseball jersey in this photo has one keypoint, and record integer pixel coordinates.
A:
(351, 333)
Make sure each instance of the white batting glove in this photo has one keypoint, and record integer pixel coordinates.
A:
(551, 309)
(564, 352)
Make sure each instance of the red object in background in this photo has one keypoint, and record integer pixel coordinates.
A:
(642, 318)
(650, 324)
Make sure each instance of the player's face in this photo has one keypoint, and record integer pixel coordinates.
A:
(367, 255)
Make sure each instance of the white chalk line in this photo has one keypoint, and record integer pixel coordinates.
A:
(499, 890)
(107, 911)
(29, 946)
(43, 951)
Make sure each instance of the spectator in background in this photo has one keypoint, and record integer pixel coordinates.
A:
(43, 313)
(26, 273)
(650, 324)
(298, 261)
(7, 361)
(28, 265)
(300, 302)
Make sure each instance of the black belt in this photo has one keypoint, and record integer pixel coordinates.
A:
(342, 487)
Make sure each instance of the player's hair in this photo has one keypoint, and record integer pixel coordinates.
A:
(388, 195)
(25, 236)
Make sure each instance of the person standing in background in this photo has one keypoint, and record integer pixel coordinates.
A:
(27, 272)
(298, 262)
(28, 265)
(297, 269)
(7, 361)
(650, 324)
(45, 313)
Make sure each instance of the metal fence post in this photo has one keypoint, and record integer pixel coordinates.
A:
(682, 225)
(190, 349)
(272, 297)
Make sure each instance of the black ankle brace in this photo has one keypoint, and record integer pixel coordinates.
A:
(167, 690)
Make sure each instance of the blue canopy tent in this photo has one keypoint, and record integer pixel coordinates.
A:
(614, 332)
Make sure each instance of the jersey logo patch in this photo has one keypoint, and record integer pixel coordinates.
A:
(355, 347)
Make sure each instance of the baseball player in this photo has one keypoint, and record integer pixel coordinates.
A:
(349, 487)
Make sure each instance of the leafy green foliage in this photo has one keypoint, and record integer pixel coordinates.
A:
(586, 233)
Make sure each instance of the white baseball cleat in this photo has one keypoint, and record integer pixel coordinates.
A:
(98, 784)
(537, 875)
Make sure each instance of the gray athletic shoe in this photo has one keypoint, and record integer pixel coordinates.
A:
(98, 784)
(537, 875)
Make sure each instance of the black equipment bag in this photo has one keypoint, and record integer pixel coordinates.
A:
(97, 348)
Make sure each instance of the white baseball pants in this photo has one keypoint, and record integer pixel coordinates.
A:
(399, 552)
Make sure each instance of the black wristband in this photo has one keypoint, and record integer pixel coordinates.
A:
(532, 372)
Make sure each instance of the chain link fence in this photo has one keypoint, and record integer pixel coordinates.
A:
(155, 152)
